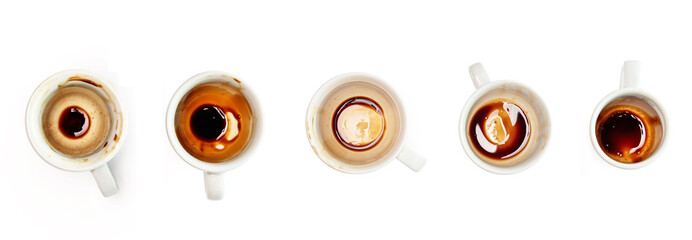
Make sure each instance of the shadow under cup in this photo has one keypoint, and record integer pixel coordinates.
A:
(534, 138)
(324, 115)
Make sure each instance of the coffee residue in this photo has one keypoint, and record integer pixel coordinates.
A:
(358, 123)
(499, 130)
(629, 130)
(74, 122)
(208, 121)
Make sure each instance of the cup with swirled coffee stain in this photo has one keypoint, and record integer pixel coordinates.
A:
(75, 122)
(213, 123)
(628, 126)
(504, 125)
(356, 124)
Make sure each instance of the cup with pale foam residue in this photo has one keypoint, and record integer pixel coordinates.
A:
(356, 124)
(75, 122)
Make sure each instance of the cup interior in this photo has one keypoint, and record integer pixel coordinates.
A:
(642, 102)
(321, 113)
(535, 111)
(202, 78)
(34, 120)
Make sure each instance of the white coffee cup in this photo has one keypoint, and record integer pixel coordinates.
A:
(213, 179)
(96, 162)
(629, 82)
(540, 123)
(407, 156)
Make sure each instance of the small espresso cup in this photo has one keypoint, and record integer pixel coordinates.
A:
(504, 125)
(356, 124)
(214, 124)
(628, 126)
(97, 141)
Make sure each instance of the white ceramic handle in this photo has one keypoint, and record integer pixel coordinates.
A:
(411, 159)
(213, 185)
(478, 75)
(105, 181)
(630, 74)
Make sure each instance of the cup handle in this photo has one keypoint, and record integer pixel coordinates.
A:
(213, 185)
(630, 74)
(478, 75)
(105, 181)
(411, 159)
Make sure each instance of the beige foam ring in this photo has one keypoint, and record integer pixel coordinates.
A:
(99, 119)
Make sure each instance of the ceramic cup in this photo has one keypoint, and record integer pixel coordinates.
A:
(324, 143)
(96, 162)
(213, 180)
(629, 82)
(528, 100)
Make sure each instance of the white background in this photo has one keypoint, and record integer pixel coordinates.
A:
(570, 53)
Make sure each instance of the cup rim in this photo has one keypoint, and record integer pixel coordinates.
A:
(485, 88)
(35, 108)
(623, 92)
(315, 104)
(204, 77)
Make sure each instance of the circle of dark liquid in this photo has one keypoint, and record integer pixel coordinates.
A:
(74, 122)
(362, 101)
(623, 133)
(208, 123)
(517, 137)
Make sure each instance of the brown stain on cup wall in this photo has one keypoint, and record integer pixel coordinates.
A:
(82, 79)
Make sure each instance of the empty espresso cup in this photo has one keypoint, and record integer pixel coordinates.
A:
(75, 122)
(628, 126)
(504, 125)
(214, 123)
(357, 124)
